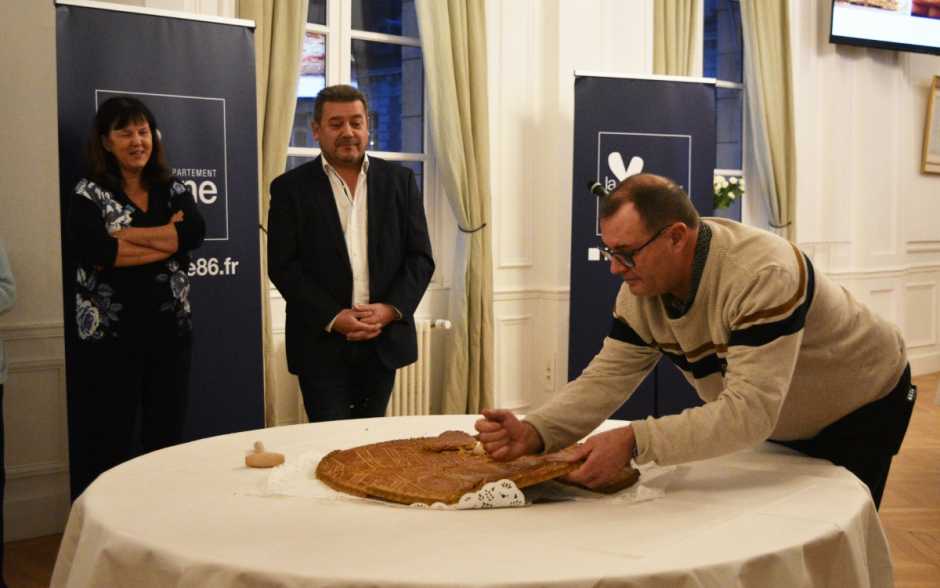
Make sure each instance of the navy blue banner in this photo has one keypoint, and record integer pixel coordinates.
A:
(625, 126)
(198, 78)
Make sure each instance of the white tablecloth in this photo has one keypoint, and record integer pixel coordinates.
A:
(185, 516)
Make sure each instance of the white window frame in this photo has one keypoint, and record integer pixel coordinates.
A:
(339, 37)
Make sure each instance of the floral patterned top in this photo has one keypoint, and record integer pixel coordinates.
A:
(138, 301)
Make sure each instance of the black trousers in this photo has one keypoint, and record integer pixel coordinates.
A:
(127, 398)
(865, 441)
(357, 387)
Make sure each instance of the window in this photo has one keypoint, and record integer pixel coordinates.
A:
(373, 45)
(723, 59)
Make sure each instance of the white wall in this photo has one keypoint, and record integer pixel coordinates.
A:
(864, 211)
(34, 403)
(535, 46)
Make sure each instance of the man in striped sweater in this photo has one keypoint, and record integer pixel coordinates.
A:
(776, 351)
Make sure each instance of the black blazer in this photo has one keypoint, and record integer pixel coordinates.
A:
(309, 264)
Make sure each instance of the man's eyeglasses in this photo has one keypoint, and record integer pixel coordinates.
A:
(627, 257)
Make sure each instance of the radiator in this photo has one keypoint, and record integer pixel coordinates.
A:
(412, 392)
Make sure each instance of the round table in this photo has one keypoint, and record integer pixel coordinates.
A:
(183, 516)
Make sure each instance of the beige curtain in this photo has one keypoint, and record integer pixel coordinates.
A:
(279, 34)
(453, 39)
(770, 163)
(677, 37)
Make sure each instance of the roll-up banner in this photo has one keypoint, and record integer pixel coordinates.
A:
(624, 126)
(198, 78)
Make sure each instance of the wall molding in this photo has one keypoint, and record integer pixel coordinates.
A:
(37, 491)
(508, 294)
(931, 288)
(922, 246)
(33, 470)
(515, 263)
(514, 62)
(885, 272)
(513, 375)
(38, 365)
(35, 330)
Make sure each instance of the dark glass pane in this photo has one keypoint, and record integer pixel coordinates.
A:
(722, 49)
(730, 43)
(729, 107)
(727, 154)
(296, 160)
(311, 81)
(316, 12)
(392, 17)
(710, 40)
(392, 78)
(418, 168)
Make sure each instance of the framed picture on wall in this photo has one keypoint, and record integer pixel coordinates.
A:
(931, 156)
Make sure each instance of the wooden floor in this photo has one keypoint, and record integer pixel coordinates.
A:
(910, 509)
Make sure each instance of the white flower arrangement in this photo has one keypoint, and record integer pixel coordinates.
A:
(727, 189)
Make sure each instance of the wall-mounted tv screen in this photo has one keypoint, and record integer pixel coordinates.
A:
(903, 25)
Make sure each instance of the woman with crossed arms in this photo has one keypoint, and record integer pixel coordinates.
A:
(131, 226)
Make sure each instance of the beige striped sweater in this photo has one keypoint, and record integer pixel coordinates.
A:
(774, 348)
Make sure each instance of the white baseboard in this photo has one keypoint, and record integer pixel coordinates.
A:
(35, 515)
(926, 364)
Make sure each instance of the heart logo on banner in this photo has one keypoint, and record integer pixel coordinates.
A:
(621, 172)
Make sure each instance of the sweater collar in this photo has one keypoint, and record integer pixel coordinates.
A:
(676, 308)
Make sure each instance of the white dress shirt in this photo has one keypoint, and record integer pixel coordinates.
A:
(354, 218)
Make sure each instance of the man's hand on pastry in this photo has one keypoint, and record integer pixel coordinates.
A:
(504, 437)
(605, 456)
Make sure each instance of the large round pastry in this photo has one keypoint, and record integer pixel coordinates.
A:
(436, 469)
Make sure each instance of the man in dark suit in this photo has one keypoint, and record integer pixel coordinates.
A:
(348, 248)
